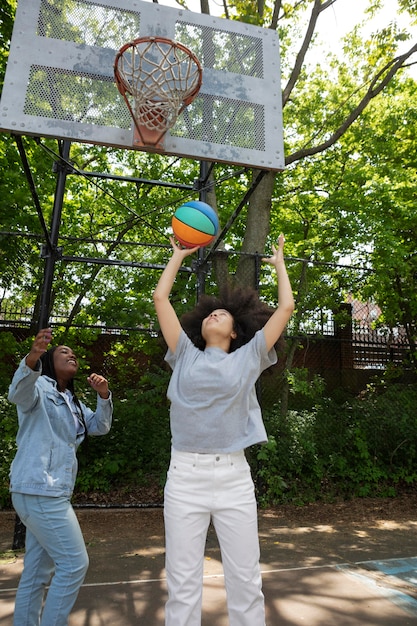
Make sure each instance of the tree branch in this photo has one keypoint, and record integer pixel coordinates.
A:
(275, 14)
(318, 7)
(378, 83)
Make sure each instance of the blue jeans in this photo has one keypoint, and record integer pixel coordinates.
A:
(55, 553)
(216, 487)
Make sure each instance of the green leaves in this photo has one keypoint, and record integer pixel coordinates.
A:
(347, 196)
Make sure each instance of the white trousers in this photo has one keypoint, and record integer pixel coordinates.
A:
(217, 487)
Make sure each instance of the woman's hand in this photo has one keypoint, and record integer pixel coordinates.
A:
(277, 253)
(99, 384)
(182, 252)
(40, 345)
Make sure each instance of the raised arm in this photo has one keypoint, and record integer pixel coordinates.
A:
(167, 317)
(277, 322)
(40, 345)
(22, 389)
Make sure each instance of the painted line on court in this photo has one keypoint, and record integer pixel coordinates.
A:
(206, 577)
(406, 569)
(389, 566)
(397, 571)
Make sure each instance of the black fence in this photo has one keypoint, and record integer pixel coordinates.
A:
(347, 357)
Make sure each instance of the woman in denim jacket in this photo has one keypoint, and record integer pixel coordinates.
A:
(52, 424)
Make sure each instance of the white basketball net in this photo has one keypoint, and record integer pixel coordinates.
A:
(161, 76)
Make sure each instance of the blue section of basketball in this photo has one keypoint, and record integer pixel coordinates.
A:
(198, 215)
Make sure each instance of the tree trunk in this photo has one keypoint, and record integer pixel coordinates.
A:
(257, 229)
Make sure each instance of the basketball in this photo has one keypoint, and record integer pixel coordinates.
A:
(195, 223)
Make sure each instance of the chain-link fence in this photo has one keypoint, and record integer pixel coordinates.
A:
(323, 436)
(344, 354)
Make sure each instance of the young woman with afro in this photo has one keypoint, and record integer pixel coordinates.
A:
(216, 352)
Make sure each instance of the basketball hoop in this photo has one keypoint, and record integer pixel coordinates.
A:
(157, 78)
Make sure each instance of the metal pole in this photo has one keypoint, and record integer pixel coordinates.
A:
(201, 273)
(51, 253)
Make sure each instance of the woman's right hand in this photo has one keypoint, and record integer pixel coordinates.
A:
(180, 251)
(40, 345)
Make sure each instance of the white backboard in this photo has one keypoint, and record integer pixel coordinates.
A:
(59, 80)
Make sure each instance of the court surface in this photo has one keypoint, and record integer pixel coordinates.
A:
(342, 573)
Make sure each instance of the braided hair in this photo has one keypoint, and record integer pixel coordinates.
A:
(249, 315)
(48, 369)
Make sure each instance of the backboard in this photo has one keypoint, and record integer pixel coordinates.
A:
(59, 80)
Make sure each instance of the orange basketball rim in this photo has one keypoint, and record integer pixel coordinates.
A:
(158, 78)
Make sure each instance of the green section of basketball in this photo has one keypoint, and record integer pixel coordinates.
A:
(191, 216)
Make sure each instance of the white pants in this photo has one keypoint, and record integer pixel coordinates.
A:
(217, 487)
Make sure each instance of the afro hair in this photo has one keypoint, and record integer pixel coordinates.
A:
(249, 315)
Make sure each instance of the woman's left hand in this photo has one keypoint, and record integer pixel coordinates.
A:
(277, 253)
(99, 384)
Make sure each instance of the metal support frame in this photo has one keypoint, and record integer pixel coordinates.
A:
(201, 265)
(52, 253)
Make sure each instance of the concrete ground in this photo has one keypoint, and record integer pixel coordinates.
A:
(315, 573)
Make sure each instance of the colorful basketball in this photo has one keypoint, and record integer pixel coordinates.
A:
(195, 223)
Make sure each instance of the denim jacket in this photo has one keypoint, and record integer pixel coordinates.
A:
(47, 439)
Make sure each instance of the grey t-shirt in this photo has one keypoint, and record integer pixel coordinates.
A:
(213, 399)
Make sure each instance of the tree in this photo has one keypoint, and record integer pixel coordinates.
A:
(320, 105)
(385, 168)
(324, 104)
